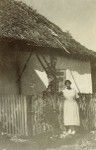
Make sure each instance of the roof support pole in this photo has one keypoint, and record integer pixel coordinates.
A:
(24, 67)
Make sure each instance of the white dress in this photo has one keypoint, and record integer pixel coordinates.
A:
(71, 109)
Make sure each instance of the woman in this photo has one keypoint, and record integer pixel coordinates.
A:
(70, 110)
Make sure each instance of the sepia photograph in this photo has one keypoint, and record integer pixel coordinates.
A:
(47, 75)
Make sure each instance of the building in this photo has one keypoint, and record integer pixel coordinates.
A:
(29, 44)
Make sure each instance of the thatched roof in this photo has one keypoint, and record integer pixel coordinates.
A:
(18, 21)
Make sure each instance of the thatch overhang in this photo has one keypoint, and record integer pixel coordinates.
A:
(21, 24)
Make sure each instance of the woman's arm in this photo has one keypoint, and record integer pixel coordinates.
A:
(76, 96)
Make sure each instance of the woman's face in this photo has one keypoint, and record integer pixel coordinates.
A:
(68, 85)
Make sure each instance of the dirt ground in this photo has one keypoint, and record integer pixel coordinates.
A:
(78, 142)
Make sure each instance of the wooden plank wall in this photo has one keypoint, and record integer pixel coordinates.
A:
(17, 117)
(13, 114)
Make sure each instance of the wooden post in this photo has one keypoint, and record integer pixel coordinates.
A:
(92, 113)
(29, 115)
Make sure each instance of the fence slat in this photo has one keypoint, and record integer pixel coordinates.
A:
(16, 111)
(25, 117)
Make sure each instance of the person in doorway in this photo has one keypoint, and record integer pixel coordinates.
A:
(70, 109)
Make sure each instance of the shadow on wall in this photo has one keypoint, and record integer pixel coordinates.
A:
(8, 74)
(32, 82)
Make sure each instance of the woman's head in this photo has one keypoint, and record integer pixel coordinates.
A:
(68, 83)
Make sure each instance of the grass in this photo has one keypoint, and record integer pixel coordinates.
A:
(80, 141)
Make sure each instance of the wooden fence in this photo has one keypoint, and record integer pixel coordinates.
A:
(13, 114)
(24, 115)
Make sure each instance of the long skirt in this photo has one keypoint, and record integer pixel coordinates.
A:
(71, 113)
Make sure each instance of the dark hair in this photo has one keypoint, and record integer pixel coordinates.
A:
(67, 81)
